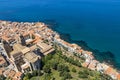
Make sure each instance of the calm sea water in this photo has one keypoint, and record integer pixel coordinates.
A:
(95, 21)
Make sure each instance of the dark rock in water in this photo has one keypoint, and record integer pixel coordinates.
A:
(51, 24)
(65, 37)
(107, 57)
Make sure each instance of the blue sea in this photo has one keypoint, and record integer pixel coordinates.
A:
(96, 22)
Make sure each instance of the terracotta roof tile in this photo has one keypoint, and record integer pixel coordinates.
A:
(118, 76)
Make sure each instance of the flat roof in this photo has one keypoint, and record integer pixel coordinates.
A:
(31, 57)
(44, 47)
(17, 48)
(25, 50)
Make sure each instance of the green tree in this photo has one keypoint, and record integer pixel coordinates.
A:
(54, 65)
(46, 59)
(28, 75)
(65, 75)
(25, 78)
(35, 73)
(82, 74)
(47, 69)
(73, 70)
(39, 73)
(47, 77)
(61, 67)
(2, 77)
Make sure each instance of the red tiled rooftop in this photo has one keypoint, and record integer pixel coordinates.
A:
(109, 70)
(118, 76)
(1, 71)
(18, 74)
(85, 64)
(93, 65)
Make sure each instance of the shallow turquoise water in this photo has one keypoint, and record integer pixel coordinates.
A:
(95, 21)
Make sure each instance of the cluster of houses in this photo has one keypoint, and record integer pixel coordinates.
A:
(21, 48)
(90, 61)
(22, 45)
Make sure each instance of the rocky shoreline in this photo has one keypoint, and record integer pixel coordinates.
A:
(10, 31)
